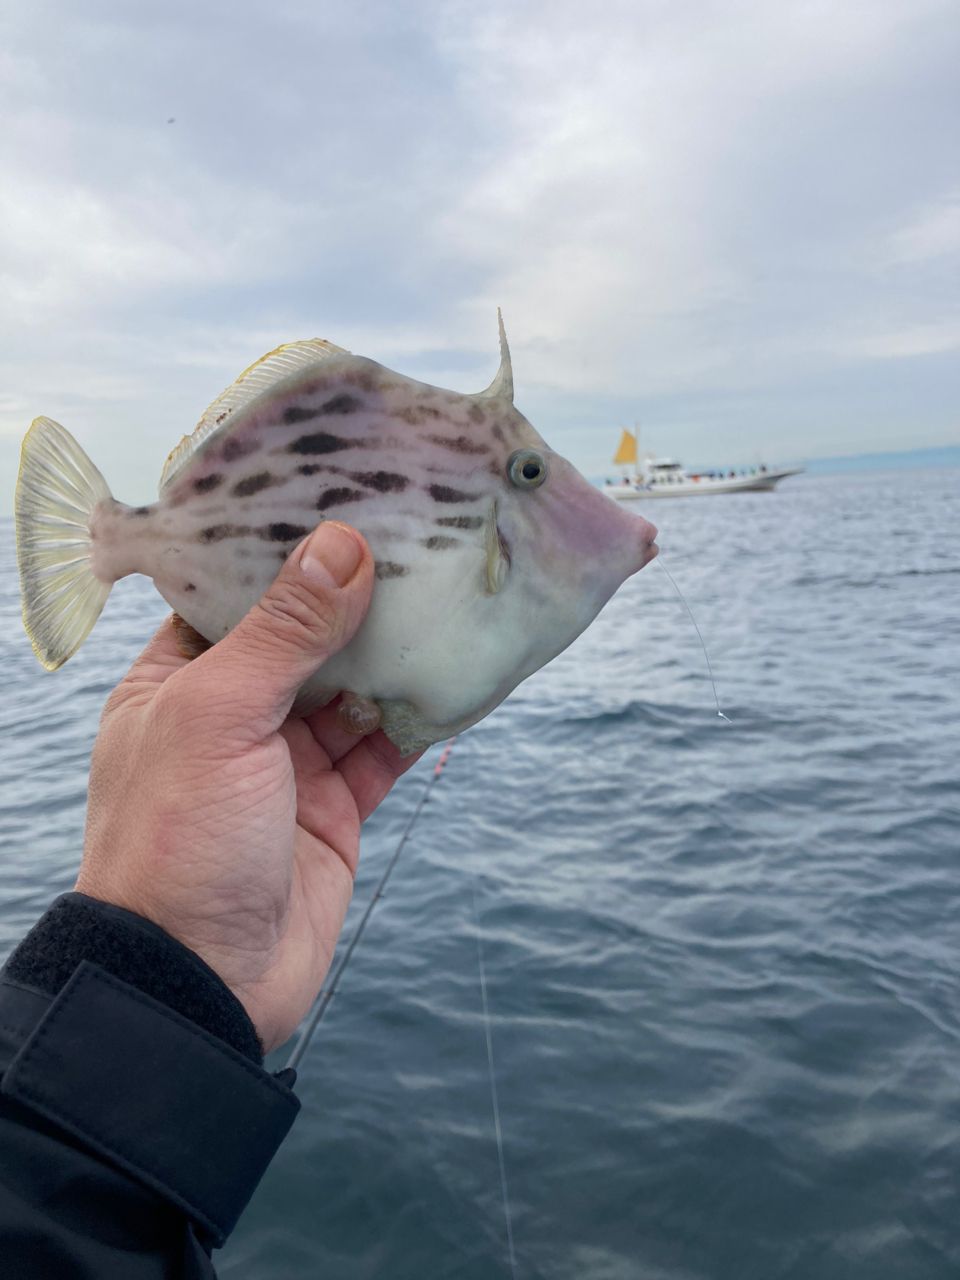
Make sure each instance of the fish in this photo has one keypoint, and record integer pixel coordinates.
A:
(492, 552)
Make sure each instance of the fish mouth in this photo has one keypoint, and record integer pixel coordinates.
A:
(648, 542)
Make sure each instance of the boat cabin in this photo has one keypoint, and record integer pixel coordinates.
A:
(664, 471)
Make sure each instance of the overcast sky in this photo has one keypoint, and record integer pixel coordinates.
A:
(737, 223)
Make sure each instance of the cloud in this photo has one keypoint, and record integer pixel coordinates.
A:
(680, 209)
(920, 340)
(655, 191)
(932, 233)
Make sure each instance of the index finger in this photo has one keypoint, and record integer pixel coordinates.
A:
(371, 769)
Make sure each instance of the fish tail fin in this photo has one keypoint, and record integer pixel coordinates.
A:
(58, 490)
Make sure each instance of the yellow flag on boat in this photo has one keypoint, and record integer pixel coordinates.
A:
(627, 451)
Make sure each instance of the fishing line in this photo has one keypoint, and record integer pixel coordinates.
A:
(328, 992)
(493, 1087)
(326, 995)
(716, 696)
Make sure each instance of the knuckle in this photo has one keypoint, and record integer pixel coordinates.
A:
(183, 709)
(300, 617)
(172, 710)
(117, 699)
(386, 758)
(192, 712)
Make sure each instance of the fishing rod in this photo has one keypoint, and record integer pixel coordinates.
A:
(329, 991)
(326, 995)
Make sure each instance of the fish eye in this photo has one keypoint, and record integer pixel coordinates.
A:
(527, 469)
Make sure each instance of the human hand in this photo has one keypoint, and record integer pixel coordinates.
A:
(213, 813)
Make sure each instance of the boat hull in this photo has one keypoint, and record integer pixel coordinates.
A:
(761, 483)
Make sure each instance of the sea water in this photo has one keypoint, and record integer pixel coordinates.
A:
(723, 959)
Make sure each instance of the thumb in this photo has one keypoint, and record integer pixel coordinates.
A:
(311, 610)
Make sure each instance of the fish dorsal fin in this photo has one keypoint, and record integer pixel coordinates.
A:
(263, 374)
(501, 388)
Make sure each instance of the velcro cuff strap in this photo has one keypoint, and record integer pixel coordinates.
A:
(155, 1094)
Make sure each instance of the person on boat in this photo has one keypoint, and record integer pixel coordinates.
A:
(136, 1114)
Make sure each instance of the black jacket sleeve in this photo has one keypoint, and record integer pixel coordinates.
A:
(136, 1118)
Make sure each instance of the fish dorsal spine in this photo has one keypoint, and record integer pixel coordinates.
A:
(263, 374)
(501, 388)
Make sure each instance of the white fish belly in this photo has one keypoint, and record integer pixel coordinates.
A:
(428, 641)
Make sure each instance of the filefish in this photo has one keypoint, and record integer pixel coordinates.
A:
(492, 552)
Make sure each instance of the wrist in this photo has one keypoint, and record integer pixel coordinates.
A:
(79, 927)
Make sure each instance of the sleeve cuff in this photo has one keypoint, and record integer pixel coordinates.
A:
(137, 951)
(154, 1093)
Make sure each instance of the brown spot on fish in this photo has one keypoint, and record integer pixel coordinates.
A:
(342, 403)
(387, 569)
(497, 433)
(417, 413)
(365, 381)
(189, 586)
(206, 483)
(440, 542)
(234, 449)
(217, 532)
(443, 493)
(336, 497)
(460, 522)
(221, 416)
(476, 414)
(310, 469)
(283, 532)
(382, 481)
(297, 413)
(253, 484)
(458, 444)
(322, 442)
(140, 511)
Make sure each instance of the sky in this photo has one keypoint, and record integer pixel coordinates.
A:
(734, 223)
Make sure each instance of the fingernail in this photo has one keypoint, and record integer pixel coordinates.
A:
(331, 555)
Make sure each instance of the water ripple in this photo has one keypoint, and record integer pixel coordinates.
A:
(722, 958)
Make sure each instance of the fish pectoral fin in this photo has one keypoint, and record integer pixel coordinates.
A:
(497, 558)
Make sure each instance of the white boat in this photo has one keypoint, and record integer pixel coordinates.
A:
(663, 478)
